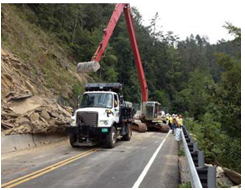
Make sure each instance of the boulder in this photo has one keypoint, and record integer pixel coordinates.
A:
(44, 114)
(219, 172)
(25, 128)
(233, 176)
(34, 117)
(23, 120)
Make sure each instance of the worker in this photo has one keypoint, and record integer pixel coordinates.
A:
(177, 118)
(167, 118)
(115, 103)
(173, 123)
(177, 130)
(180, 121)
(170, 121)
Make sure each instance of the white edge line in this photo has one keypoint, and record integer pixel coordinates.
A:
(147, 167)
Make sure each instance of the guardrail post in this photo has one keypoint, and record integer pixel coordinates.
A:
(207, 176)
(198, 158)
(193, 147)
(212, 177)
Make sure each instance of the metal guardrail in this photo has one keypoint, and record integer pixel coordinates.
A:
(201, 176)
(195, 180)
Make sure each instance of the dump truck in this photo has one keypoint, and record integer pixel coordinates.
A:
(102, 116)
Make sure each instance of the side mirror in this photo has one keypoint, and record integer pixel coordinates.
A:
(108, 112)
(121, 99)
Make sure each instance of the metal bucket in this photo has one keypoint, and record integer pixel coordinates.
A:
(86, 67)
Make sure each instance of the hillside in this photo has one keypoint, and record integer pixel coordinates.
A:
(37, 77)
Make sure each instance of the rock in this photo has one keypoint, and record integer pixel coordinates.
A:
(233, 176)
(6, 125)
(23, 120)
(18, 95)
(224, 181)
(219, 172)
(44, 114)
(34, 117)
(23, 129)
(236, 186)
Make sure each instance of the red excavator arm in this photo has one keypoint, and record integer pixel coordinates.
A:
(108, 31)
(120, 7)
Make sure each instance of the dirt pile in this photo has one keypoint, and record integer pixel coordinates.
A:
(45, 118)
(26, 107)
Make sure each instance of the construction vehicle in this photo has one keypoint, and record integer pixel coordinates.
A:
(149, 111)
(102, 116)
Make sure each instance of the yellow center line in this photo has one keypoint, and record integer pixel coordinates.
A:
(47, 169)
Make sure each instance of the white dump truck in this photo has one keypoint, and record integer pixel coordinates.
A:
(102, 116)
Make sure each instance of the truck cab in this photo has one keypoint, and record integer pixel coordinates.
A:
(102, 115)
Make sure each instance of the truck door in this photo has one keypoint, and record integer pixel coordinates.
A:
(116, 108)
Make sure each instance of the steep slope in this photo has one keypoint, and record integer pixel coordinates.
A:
(38, 80)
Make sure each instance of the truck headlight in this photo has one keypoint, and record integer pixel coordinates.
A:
(104, 122)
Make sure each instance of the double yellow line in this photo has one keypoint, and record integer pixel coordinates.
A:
(48, 169)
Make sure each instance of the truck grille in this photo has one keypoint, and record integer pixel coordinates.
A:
(87, 118)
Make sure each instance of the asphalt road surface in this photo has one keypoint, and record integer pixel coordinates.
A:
(149, 160)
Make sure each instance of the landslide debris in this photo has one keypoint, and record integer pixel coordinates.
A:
(45, 118)
(24, 109)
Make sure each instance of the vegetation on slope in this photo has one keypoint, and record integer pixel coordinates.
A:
(48, 63)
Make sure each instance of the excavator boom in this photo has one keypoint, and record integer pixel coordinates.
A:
(93, 65)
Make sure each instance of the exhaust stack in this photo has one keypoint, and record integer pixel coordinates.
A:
(86, 67)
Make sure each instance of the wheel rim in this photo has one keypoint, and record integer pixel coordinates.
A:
(113, 136)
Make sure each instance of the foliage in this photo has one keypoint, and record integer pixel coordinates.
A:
(185, 185)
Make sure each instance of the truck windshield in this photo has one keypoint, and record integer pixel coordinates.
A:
(102, 100)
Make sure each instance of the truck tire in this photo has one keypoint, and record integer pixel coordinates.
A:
(128, 135)
(73, 139)
(111, 138)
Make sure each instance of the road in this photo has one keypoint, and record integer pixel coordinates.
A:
(149, 160)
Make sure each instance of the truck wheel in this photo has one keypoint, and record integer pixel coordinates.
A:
(128, 135)
(73, 139)
(111, 138)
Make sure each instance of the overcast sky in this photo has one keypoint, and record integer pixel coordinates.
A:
(185, 17)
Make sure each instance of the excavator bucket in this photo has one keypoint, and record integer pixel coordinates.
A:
(86, 67)
(139, 126)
